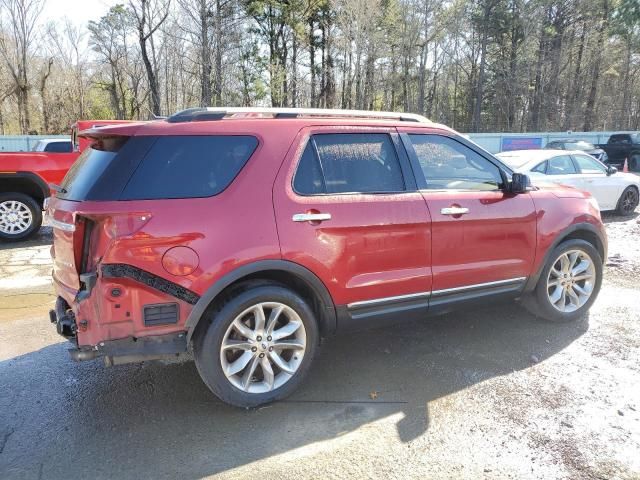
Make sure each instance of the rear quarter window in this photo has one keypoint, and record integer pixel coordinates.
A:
(189, 166)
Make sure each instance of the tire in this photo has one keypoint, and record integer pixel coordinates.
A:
(247, 387)
(628, 201)
(539, 302)
(634, 163)
(20, 216)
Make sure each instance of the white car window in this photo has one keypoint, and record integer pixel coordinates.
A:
(587, 164)
(561, 165)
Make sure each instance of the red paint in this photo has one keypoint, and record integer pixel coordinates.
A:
(374, 246)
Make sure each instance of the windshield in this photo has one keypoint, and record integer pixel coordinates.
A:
(580, 145)
(514, 161)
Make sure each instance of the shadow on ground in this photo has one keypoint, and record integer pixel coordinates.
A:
(43, 237)
(65, 420)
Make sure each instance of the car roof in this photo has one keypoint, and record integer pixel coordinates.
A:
(52, 140)
(250, 120)
(524, 159)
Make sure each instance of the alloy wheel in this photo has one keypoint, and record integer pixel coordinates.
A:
(15, 217)
(263, 347)
(629, 201)
(571, 281)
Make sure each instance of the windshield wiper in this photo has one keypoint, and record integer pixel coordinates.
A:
(57, 188)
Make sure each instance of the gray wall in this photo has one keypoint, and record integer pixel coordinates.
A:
(493, 141)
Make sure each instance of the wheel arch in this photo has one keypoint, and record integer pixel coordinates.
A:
(300, 279)
(579, 231)
(25, 182)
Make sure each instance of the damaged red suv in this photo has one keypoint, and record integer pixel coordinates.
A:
(247, 235)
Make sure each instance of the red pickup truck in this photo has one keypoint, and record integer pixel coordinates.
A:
(26, 179)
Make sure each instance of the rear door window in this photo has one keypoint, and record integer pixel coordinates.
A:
(189, 166)
(58, 147)
(349, 163)
(561, 165)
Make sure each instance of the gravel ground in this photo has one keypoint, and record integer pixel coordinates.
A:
(492, 393)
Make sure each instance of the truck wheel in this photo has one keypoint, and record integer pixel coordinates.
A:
(258, 347)
(569, 282)
(20, 216)
(634, 163)
(628, 201)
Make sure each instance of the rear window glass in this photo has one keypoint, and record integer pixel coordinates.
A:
(58, 147)
(86, 174)
(189, 166)
(150, 167)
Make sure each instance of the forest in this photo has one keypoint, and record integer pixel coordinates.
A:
(474, 65)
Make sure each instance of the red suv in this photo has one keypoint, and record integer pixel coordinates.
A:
(247, 235)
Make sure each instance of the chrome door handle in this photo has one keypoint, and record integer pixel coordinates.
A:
(311, 217)
(454, 211)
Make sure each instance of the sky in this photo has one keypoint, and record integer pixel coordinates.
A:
(78, 11)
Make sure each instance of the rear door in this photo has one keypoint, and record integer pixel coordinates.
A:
(562, 170)
(347, 208)
(483, 237)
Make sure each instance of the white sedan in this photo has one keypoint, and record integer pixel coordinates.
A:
(613, 190)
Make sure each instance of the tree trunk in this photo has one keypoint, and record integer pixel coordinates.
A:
(595, 76)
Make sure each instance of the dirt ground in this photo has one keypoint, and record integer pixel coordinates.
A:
(491, 393)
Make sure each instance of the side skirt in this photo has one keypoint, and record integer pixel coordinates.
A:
(384, 311)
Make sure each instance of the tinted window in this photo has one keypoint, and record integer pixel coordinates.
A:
(561, 165)
(620, 139)
(189, 166)
(308, 179)
(358, 162)
(448, 164)
(587, 164)
(58, 147)
(88, 171)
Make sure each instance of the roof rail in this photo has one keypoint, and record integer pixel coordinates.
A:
(219, 113)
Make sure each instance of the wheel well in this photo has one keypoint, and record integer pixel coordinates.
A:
(589, 237)
(22, 185)
(284, 278)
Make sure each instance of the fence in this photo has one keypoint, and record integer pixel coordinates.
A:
(493, 142)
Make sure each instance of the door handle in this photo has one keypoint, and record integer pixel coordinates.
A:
(311, 217)
(454, 211)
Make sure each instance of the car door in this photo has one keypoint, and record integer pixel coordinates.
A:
(482, 237)
(347, 208)
(605, 188)
(561, 169)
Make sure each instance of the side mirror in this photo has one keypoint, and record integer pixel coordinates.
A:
(520, 183)
(611, 170)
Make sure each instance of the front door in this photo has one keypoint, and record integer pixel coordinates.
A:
(483, 237)
(347, 208)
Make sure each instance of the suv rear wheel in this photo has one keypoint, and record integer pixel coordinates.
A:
(258, 347)
(20, 216)
(569, 283)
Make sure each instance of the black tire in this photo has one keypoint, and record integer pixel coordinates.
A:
(36, 216)
(634, 163)
(208, 342)
(628, 201)
(538, 302)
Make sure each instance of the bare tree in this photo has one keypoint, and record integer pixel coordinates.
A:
(150, 15)
(16, 48)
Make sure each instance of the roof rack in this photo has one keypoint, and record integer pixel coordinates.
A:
(219, 113)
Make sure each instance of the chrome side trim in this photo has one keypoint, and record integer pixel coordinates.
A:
(67, 227)
(377, 301)
(478, 285)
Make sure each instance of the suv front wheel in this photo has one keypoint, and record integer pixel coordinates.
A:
(569, 283)
(258, 346)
